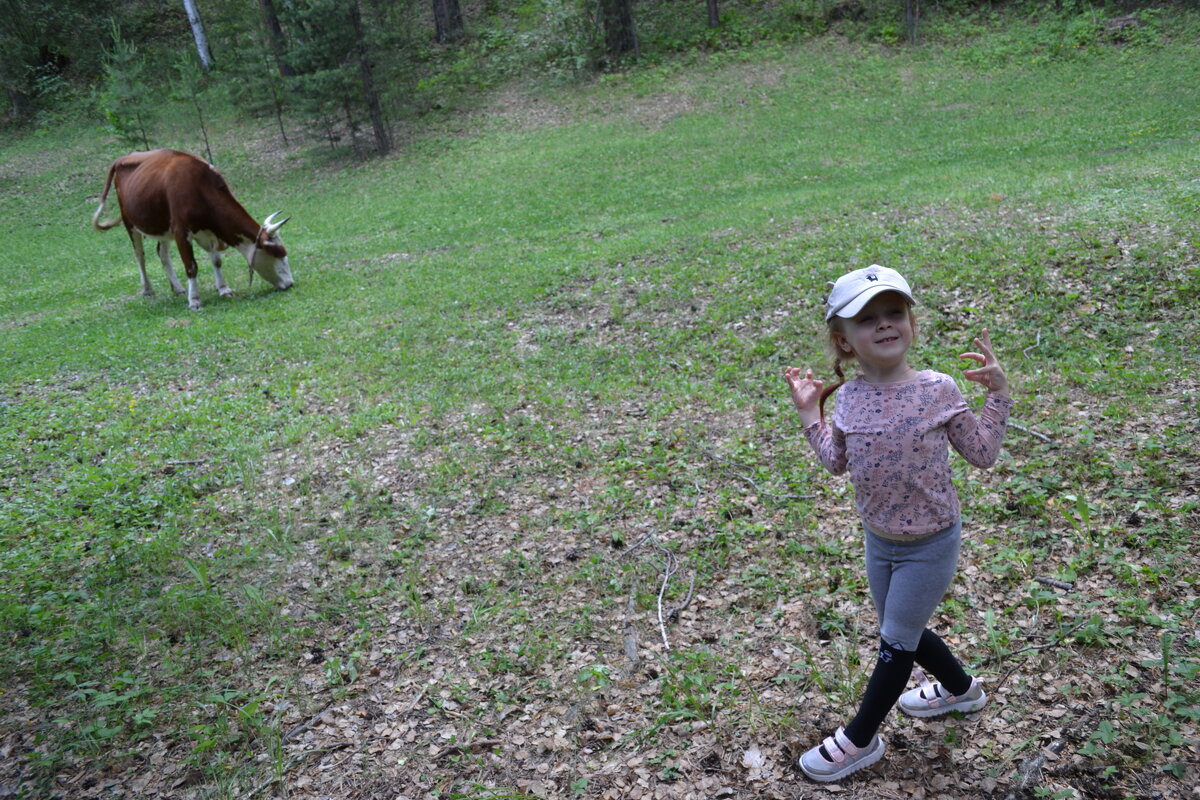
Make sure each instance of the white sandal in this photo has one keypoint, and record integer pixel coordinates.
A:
(932, 699)
(846, 757)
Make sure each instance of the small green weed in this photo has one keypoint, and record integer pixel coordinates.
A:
(696, 685)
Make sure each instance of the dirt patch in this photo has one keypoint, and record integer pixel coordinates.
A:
(521, 110)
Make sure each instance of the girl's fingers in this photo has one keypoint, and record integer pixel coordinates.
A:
(978, 375)
(795, 377)
(793, 373)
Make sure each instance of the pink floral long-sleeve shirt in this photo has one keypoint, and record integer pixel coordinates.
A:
(893, 437)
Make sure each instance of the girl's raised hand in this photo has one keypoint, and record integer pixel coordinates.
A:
(989, 374)
(806, 393)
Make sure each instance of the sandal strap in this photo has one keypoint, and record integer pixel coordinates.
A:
(934, 694)
(929, 691)
(834, 751)
(840, 747)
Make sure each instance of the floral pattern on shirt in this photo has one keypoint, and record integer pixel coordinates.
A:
(893, 439)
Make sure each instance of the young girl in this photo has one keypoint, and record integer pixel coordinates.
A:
(890, 427)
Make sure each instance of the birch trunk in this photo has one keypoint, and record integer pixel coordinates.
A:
(193, 15)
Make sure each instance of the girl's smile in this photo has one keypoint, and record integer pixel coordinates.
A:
(880, 336)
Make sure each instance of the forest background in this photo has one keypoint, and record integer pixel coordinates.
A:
(505, 498)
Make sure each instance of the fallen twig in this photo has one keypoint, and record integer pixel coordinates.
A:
(1057, 584)
(636, 545)
(1052, 642)
(1034, 346)
(630, 644)
(458, 714)
(302, 727)
(669, 567)
(630, 638)
(1032, 433)
(459, 747)
(687, 601)
(1031, 648)
(417, 699)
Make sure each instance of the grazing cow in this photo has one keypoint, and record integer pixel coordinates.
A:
(168, 195)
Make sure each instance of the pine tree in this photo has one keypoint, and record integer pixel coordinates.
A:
(123, 100)
(334, 83)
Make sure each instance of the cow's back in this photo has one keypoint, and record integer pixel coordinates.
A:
(163, 189)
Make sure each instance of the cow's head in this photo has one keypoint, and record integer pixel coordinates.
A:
(270, 256)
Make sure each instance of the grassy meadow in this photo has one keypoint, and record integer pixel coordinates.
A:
(506, 497)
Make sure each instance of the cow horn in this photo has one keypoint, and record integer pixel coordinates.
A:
(270, 225)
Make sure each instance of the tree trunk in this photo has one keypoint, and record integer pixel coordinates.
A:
(277, 104)
(275, 37)
(447, 18)
(351, 126)
(193, 15)
(142, 129)
(383, 139)
(18, 102)
(714, 14)
(620, 37)
(912, 15)
(203, 128)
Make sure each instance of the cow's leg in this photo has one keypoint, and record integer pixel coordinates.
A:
(164, 254)
(222, 287)
(189, 266)
(139, 252)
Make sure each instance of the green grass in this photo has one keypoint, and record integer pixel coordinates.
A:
(211, 520)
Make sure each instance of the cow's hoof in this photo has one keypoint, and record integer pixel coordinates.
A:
(147, 293)
(226, 293)
(193, 306)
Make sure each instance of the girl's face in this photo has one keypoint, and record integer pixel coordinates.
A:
(880, 334)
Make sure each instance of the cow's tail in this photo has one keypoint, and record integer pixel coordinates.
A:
(96, 223)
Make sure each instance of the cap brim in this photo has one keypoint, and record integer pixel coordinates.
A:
(856, 305)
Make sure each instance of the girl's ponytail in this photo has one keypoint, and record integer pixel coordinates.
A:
(837, 369)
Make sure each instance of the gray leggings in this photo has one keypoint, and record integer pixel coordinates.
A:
(908, 580)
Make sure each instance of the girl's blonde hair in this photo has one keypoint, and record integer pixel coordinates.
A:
(833, 345)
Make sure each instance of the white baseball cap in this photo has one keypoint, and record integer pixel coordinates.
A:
(855, 289)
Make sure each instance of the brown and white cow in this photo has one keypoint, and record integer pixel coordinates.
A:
(173, 196)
